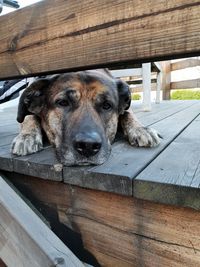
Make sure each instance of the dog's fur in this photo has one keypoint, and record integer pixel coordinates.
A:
(80, 113)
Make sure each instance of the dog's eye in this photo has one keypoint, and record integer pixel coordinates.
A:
(106, 105)
(62, 102)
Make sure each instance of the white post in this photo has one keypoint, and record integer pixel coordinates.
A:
(158, 87)
(146, 80)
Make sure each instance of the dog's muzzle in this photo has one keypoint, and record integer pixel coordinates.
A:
(87, 144)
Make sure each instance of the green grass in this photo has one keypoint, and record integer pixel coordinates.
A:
(135, 96)
(185, 95)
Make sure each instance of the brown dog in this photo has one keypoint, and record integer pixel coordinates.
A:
(79, 113)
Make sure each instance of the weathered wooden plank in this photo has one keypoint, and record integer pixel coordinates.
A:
(6, 139)
(166, 79)
(158, 114)
(140, 81)
(9, 129)
(6, 162)
(116, 175)
(24, 239)
(166, 106)
(195, 83)
(10, 115)
(139, 88)
(153, 252)
(42, 164)
(107, 178)
(186, 63)
(86, 35)
(120, 230)
(48, 213)
(127, 72)
(10, 111)
(6, 122)
(164, 174)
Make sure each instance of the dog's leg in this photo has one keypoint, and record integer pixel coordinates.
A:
(29, 140)
(137, 134)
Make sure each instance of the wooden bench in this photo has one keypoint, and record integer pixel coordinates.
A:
(141, 208)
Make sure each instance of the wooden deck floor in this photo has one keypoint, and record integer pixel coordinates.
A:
(169, 173)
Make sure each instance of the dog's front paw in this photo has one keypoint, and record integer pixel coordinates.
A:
(25, 144)
(143, 137)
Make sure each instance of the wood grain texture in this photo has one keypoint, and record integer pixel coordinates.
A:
(165, 172)
(9, 129)
(6, 162)
(166, 79)
(41, 164)
(160, 112)
(120, 230)
(167, 106)
(183, 64)
(24, 239)
(195, 83)
(51, 36)
(7, 139)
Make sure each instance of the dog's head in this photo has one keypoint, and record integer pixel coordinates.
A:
(79, 113)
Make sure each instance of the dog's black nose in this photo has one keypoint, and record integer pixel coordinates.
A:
(87, 144)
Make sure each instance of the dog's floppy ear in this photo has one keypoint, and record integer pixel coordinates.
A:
(32, 99)
(124, 96)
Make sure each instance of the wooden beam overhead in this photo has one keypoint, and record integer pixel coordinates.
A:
(74, 35)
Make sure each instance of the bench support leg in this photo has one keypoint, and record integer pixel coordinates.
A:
(146, 77)
(158, 87)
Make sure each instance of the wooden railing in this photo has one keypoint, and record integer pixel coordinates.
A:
(184, 64)
(168, 67)
(166, 83)
(53, 36)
